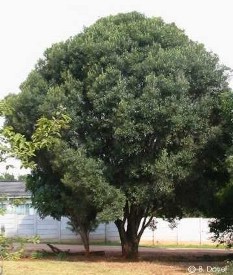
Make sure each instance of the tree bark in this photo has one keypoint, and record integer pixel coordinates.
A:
(85, 240)
(82, 229)
(129, 242)
(130, 250)
(131, 228)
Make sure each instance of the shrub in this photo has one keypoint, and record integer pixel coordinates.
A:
(13, 248)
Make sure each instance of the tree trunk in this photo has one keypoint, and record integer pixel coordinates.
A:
(81, 228)
(131, 228)
(85, 240)
(129, 242)
(130, 250)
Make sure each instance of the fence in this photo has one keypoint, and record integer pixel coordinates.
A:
(188, 230)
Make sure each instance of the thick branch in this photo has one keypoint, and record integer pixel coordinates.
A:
(144, 225)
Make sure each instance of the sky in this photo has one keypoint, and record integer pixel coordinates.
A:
(28, 27)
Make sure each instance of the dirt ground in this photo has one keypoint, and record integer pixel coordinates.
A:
(183, 256)
(177, 254)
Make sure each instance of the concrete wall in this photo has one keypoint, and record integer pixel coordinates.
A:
(187, 231)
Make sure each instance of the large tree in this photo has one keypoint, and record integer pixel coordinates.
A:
(144, 102)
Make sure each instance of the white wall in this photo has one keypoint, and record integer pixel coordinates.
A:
(188, 230)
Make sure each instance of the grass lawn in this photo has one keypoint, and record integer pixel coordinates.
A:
(202, 246)
(101, 267)
(164, 245)
(47, 263)
(53, 267)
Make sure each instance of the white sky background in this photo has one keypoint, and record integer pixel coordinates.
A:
(28, 27)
